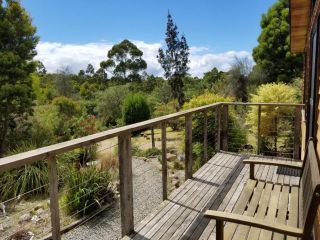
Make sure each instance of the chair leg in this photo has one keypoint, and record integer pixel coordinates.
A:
(252, 171)
(219, 230)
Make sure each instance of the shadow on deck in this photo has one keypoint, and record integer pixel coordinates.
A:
(217, 186)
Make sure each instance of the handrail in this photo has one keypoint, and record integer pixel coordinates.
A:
(264, 104)
(20, 159)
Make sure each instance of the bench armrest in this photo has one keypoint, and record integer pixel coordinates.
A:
(273, 162)
(254, 222)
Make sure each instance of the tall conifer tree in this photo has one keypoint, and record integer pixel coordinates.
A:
(174, 60)
(17, 49)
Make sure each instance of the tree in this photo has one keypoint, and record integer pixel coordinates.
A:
(17, 49)
(174, 60)
(125, 62)
(238, 78)
(90, 70)
(273, 52)
(257, 76)
(109, 104)
(89, 80)
(211, 77)
(40, 68)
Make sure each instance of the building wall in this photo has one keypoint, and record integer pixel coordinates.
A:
(307, 78)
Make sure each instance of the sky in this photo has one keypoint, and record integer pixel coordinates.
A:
(74, 33)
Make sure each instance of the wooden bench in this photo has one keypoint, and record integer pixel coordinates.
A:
(272, 211)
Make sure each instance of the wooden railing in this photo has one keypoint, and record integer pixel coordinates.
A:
(124, 134)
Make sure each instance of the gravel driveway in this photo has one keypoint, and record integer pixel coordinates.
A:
(147, 195)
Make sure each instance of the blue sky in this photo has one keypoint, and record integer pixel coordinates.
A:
(211, 26)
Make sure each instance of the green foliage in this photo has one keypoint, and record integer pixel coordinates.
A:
(66, 106)
(135, 109)
(274, 120)
(161, 93)
(31, 177)
(174, 60)
(109, 104)
(45, 123)
(148, 153)
(137, 151)
(193, 86)
(18, 42)
(205, 99)
(273, 52)
(212, 76)
(125, 62)
(198, 123)
(152, 152)
(63, 82)
(165, 109)
(87, 90)
(257, 76)
(87, 190)
(87, 125)
(38, 90)
(178, 165)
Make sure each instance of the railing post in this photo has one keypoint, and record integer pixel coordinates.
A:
(54, 199)
(259, 130)
(225, 128)
(218, 125)
(188, 146)
(205, 136)
(297, 133)
(152, 138)
(164, 161)
(126, 188)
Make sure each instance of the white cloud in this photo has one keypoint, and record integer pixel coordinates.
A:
(77, 56)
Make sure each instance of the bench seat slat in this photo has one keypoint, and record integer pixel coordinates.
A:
(272, 210)
(282, 210)
(293, 209)
(242, 231)
(240, 206)
(264, 202)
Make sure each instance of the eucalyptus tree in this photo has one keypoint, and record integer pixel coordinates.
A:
(125, 62)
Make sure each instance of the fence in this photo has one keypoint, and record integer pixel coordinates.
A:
(240, 127)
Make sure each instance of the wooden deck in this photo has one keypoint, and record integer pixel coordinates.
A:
(217, 186)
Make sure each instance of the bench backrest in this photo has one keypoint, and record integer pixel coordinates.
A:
(309, 189)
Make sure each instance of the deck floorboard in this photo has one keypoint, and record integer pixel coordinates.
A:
(219, 185)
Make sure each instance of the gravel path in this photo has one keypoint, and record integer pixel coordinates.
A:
(147, 194)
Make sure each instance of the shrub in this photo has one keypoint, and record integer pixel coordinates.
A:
(136, 151)
(24, 179)
(152, 152)
(87, 190)
(274, 120)
(198, 123)
(109, 104)
(178, 165)
(66, 106)
(135, 109)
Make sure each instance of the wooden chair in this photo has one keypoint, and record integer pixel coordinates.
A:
(308, 193)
